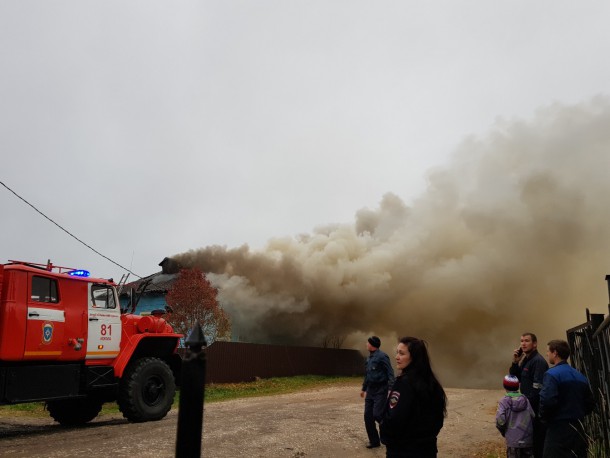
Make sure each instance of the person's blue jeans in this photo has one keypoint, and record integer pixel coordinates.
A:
(374, 407)
(565, 439)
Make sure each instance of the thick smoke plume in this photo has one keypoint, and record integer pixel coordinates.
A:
(513, 235)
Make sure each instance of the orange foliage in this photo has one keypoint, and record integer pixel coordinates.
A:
(193, 299)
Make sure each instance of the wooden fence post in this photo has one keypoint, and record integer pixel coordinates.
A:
(192, 396)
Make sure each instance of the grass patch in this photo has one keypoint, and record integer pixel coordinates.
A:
(37, 409)
(214, 392)
(31, 409)
(271, 386)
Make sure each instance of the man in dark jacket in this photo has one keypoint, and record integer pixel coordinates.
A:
(565, 400)
(529, 367)
(378, 379)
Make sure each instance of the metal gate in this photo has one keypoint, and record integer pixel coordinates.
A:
(590, 354)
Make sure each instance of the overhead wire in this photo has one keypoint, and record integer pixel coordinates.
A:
(68, 232)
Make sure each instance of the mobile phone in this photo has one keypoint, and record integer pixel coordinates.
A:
(520, 352)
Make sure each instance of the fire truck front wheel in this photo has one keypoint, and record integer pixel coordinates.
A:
(147, 390)
(74, 412)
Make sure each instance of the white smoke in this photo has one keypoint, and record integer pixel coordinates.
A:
(511, 236)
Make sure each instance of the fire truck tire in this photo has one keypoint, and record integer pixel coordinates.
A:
(74, 412)
(146, 391)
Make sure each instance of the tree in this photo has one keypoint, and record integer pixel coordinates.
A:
(193, 299)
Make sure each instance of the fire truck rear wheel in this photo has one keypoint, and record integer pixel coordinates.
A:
(147, 390)
(74, 412)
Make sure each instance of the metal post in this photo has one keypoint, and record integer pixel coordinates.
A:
(192, 396)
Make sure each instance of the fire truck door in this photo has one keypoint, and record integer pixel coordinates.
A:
(45, 319)
(104, 336)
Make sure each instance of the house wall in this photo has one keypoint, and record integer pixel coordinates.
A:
(147, 303)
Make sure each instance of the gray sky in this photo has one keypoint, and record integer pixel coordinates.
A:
(149, 128)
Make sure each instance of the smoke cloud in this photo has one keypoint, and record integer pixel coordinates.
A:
(513, 235)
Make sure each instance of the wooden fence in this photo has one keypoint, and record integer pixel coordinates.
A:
(232, 362)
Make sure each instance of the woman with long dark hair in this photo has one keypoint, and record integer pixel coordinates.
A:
(416, 406)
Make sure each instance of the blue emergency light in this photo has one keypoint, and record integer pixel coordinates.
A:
(79, 273)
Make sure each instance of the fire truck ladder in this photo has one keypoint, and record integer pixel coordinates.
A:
(122, 282)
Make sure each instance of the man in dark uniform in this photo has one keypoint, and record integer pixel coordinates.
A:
(378, 380)
(529, 367)
(565, 400)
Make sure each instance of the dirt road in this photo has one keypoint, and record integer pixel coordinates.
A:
(317, 423)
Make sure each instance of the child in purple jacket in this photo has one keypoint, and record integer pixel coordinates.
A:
(514, 420)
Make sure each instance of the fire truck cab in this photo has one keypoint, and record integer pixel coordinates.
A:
(65, 340)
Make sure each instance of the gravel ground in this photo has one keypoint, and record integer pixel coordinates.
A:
(315, 423)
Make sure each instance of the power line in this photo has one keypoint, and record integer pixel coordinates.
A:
(69, 233)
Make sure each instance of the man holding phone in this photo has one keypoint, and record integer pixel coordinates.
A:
(529, 367)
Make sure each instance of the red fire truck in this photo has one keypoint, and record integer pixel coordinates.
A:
(65, 340)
